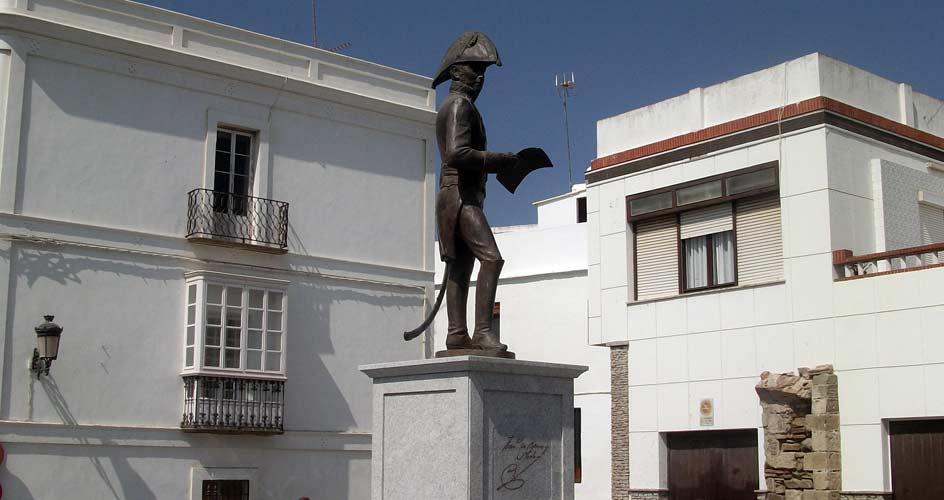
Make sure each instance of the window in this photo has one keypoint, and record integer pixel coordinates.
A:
(581, 210)
(225, 489)
(714, 232)
(234, 323)
(931, 220)
(232, 171)
(578, 459)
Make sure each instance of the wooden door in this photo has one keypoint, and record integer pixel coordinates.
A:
(712, 465)
(917, 449)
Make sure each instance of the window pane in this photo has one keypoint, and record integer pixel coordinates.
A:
(651, 203)
(240, 185)
(696, 262)
(211, 356)
(273, 361)
(751, 181)
(214, 294)
(255, 339)
(232, 337)
(273, 341)
(191, 314)
(241, 165)
(212, 335)
(255, 298)
(233, 316)
(192, 294)
(724, 257)
(242, 144)
(221, 164)
(223, 139)
(255, 319)
(699, 192)
(221, 182)
(274, 321)
(234, 296)
(254, 360)
(189, 357)
(190, 332)
(275, 301)
(214, 315)
(232, 358)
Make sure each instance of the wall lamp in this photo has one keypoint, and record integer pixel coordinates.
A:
(47, 338)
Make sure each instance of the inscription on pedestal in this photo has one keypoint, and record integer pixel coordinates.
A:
(523, 446)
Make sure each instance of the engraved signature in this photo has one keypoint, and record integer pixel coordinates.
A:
(526, 453)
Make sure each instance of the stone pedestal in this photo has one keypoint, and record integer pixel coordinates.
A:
(472, 428)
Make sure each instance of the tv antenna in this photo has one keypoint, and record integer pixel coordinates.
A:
(566, 88)
(314, 31)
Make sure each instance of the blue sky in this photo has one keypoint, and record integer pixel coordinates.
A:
(624, 54)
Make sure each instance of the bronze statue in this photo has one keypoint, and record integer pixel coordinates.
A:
(464, 232)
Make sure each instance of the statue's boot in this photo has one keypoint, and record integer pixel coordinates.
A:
(457, 294)
(485, 286)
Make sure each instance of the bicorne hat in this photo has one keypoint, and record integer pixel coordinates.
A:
(471, 46)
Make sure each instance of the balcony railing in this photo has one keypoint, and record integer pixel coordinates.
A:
(216, 216)
(232, 405)
(850, 267)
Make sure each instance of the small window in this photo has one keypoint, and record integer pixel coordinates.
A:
(698, 192)
(578, 460)
(654, 203)
(751, 181)
(708, 260)
(225, 489)
(581, 210)
(232, 174)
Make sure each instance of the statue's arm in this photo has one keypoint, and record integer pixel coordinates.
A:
(459, 152)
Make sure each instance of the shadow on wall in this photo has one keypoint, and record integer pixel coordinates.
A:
(124, 483)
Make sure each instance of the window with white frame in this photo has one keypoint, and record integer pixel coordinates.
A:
(715, 232)
(234, 324)
(232, 171)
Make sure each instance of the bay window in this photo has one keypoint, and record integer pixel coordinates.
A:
(234, 324)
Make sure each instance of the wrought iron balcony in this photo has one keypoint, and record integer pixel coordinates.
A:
(218, 217)
(232, 405)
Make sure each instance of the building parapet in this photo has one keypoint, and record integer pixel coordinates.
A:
(850, 267)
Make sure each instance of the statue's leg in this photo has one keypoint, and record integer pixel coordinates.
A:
(457, 297)
(478, 237)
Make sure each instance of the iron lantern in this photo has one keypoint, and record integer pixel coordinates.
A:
(47, 338)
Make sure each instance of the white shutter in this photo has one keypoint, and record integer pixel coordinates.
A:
(714, 219)
(759, 241)
(656, 258)
(932, 224)
(932, 230)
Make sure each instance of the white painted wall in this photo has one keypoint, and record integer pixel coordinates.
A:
(838, 191)
(102, 135)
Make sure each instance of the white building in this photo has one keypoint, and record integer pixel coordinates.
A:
(541, 313)
(111, 113)
(719, 222)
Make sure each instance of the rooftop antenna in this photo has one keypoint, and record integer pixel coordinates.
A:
(314, 31)
(566, 88)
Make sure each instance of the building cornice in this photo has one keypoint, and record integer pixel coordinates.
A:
(173, 38)
(770, 123)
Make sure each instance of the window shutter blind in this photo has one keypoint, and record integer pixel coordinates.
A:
(656, 258)
(714, 219)
(759, 241)
(932, 224)
(932, 230)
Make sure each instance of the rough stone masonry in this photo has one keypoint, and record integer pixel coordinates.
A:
(801, 434)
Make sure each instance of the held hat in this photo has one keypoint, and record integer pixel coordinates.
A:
(471, 46)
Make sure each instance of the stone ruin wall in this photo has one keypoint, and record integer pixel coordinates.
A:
(801, 434)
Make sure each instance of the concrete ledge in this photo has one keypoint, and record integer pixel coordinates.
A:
(472, 364)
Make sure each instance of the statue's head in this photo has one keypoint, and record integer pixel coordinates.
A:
(467, 59)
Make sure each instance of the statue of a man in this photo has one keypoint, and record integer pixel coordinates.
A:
(464, 232)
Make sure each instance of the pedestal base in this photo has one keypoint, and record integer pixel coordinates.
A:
(472, 428)
(488, 353)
